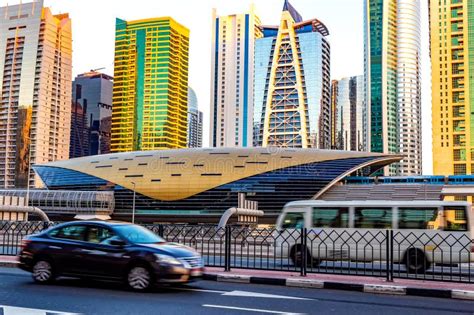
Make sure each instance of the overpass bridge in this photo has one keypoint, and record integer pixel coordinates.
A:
(66, 203)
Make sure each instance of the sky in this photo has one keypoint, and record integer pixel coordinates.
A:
(94, 30)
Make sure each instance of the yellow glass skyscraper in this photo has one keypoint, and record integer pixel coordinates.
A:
(452, 66)
(150, 90)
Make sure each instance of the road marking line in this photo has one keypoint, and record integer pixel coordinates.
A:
(262, 295)
(198, 290)
(245, 294)
(13, 310)
(250, 309)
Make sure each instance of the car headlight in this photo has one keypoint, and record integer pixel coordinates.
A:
(165, 259)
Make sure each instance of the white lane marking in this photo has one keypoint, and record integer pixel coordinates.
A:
(250, 309)
(246, 294)
(198, 290)
(12, 310)
(263, 295)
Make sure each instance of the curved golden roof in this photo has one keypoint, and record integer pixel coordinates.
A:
(177, 174)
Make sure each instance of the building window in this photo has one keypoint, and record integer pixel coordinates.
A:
(459, 155)
(459, 169)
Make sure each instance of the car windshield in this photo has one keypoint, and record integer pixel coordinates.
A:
(138, 234)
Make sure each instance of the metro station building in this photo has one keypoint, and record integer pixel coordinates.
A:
(198, 185)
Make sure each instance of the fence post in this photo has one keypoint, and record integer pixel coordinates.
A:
(227, 247)
(161, 230)
(46, 225)
(388, 255)
(304, 257)
(391, 254)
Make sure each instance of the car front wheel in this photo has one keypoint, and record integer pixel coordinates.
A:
(43, 271)
(139, 278)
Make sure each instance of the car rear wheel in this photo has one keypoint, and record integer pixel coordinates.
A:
(139, 278)
(43, 271)
(416, 262)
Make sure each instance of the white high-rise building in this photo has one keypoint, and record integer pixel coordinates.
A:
(409, 85)
(35, 90)
(233, 39)
(392, 41)
(194, 121)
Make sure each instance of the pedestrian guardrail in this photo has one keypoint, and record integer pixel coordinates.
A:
(381, 253)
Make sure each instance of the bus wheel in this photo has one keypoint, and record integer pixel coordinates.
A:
(415, 261)
(296, 253)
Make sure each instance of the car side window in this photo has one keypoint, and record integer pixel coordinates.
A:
(71, 232)
(100, 235)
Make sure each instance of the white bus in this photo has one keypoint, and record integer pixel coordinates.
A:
(425, 232)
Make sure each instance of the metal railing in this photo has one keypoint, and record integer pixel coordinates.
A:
(390, 254)
(12, 232)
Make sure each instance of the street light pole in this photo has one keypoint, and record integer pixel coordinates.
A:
(27, 201)
(133, 205)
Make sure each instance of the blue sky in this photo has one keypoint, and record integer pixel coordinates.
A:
(94, 24)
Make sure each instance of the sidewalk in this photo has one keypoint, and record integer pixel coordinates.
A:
(330, 281)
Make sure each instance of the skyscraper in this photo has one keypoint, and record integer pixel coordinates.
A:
(292, 85)
(392, 74)
(348, 108)
(194, 121)
(452, 86)
(334, 91)
(35, 88)
(91, 114)
(233, 39)
(150, 91)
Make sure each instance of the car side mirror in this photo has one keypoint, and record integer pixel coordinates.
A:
(118, 243)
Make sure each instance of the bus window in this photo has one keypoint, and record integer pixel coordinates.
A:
(455, 219)
(373, 218)
(331, 217)
(293, 220)
(418, 218)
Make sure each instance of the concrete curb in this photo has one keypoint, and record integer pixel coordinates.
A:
(385, 289)
(9, 264)
(233, 278)
(346, 286)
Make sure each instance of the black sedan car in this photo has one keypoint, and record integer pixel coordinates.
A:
(108, 251)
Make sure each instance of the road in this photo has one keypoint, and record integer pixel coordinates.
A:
(205, 297)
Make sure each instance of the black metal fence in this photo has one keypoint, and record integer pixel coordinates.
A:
(428, 255)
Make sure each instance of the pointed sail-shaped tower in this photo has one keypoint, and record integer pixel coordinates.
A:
(295, 101)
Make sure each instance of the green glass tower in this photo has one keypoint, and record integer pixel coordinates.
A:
(392, 40)
(381, 75)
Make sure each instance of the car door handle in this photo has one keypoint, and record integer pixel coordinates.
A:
(55, 247)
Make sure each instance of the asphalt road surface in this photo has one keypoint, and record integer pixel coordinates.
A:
(19, 295)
